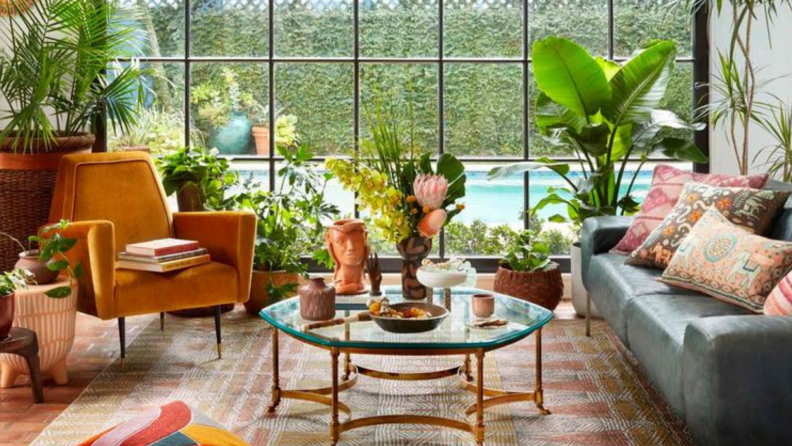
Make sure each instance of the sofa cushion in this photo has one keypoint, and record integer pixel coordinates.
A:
(142, 292)
(616, 284)
(656, 331)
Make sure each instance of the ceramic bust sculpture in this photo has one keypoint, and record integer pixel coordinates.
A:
(347, 241)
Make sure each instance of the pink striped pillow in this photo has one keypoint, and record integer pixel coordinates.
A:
(779, 301)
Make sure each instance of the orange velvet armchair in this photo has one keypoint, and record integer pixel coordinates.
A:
(113, 199)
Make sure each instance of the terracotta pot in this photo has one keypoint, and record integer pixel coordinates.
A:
(544, 288)
(412, 251)
(6, 314)
(29, 260)
(261, 138)
(259, 297)
(27, 181)
(188, 198)
(317, 300)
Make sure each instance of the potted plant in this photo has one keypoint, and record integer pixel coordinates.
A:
(49, 258)
(291, 220)
(528, 273)
(9, 283)
(409, 200)
(198, 177)
(607, 116)
(59, 83)
(157, 132)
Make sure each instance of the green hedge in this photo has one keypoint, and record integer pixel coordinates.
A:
(483, 101)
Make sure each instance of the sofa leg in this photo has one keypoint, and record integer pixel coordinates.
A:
(588, 315)
(217, 310)
(162, 321)
(122, 338)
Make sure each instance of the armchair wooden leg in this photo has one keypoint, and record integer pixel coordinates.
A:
(217, 311)
(122, 338)
(162, 321)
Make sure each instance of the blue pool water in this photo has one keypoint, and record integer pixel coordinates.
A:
(491, 201)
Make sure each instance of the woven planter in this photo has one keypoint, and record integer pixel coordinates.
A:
(27, 182)
(544, 288)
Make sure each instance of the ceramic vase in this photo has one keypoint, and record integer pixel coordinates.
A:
(6, 314)
(347, 243)
(412, 251)
(235, 137)
(29, 260)
(317, 300)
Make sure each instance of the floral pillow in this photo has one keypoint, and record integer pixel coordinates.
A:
(725, 261)
(667, 184)
(779, 301)
(753, 209)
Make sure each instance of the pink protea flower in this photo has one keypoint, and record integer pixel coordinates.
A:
(430, 190)
(431, 223)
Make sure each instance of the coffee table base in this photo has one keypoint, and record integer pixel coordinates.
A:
(352, 372)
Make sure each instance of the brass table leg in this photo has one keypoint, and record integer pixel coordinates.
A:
(347, 357)
(480, 397)
(276, 390)
(334, 424)
(538, 389)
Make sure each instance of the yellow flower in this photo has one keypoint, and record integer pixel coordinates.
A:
(460, 207)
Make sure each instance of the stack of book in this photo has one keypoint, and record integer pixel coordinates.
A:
(163, 255)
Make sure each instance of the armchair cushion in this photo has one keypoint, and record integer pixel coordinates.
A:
(143, 292)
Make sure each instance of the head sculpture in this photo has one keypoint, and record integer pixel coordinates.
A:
(347, 241)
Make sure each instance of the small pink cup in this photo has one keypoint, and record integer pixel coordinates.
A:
(483, 305)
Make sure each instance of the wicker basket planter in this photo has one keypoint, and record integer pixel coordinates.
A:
(28, 181)
(544, 288)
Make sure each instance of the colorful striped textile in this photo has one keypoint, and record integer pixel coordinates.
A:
(174, 424)
(779, 301)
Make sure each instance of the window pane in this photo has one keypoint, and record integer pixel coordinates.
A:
(227, 101)
(220, 28)
(639, 21)
(252, 172)
(160, 25)
(402, 83)
(483, 109)
(483, 28)
(398, 28)
(584, 21)
(484, 228)
(321, 98)
(160, 126)
(313, 27)
(334, 192)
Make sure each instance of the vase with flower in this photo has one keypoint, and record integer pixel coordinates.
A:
(408, 198)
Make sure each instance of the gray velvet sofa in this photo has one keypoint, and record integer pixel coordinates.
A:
(727, 373)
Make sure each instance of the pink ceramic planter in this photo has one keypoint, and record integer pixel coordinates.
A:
(53, 321)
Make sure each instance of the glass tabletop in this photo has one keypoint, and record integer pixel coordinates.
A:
(454, 333)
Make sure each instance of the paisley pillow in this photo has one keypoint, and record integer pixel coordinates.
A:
(667, 184)
(753, 209)
(725, 261)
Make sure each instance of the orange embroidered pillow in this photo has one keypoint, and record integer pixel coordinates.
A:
(752, 209)
(728, 262)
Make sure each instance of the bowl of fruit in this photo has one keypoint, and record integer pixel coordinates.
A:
(407, 317)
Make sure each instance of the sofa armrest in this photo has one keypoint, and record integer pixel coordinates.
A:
(600, 234)
(736, 380)
(229, 236)
(96, 250)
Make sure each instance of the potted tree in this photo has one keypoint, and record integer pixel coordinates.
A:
(57, 90)
(607, 116)
(528, 273)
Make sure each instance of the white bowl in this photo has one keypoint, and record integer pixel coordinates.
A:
(441, 279)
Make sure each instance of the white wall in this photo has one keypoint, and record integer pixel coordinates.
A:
(774, 61)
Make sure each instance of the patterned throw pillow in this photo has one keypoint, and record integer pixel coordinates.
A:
(170, 425)
(728, 262)
(779, 301)
(753, 209)
(667, 184)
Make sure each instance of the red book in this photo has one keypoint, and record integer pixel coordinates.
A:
(161, 247)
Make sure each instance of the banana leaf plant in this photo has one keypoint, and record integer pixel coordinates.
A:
(607, 115)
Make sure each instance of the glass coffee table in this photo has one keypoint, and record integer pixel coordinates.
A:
(453, 337)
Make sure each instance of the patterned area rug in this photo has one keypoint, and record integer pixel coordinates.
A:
(593, 386)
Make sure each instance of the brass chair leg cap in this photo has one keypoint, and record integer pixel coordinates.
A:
(219, 351)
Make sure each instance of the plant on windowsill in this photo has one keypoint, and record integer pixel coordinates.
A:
(409, 200)
(607, 115)
(526, 272)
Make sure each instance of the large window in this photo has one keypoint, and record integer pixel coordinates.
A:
(228, 70)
